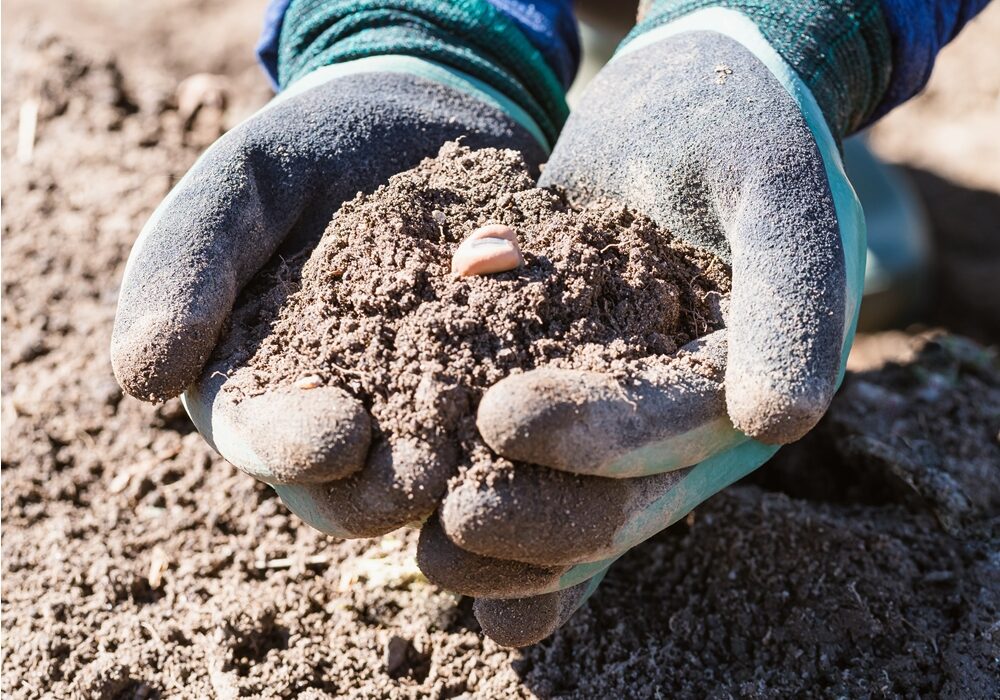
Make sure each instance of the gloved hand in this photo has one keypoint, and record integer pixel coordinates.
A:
(701, 125)
(271, 185)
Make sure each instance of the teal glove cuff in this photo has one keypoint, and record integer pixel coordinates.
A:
(470, 36)
(419, 68)
(841, 49)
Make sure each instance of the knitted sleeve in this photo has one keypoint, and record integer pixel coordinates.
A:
(527, 50)
(860, 58)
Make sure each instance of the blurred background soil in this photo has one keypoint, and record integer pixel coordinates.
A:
(863, 561)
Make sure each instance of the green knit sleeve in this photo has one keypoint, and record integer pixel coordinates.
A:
(841, 49)
(470, 36)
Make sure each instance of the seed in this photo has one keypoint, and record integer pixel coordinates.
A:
(487, 250)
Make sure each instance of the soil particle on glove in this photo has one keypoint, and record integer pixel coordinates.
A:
(377, 310)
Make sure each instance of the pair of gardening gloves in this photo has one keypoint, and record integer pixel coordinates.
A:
(697, 122)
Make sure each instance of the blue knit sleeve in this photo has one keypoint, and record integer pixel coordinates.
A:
(548, 24)
(267, 45)
(919, 30)
(551, 28)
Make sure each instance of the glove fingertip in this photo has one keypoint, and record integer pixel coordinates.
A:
(514, 413)
(520, 622)
(774, 416)
(307, 435)
(155, 359)
(564, 419)
(400, 484)
(449, 566)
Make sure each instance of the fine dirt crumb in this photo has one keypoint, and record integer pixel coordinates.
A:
(376, 310)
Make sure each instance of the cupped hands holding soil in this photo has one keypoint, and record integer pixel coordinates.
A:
(375, 317)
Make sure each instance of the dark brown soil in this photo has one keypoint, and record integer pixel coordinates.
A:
(375, 309)
(862, 563)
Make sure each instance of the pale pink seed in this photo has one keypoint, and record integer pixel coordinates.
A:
(489, 249)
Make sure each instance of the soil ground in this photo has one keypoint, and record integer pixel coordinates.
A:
(137, 564)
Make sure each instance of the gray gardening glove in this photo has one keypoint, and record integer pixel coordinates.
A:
(270, 186)
(368, 91)
(720, 145)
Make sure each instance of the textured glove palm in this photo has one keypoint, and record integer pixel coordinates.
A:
(270, 186)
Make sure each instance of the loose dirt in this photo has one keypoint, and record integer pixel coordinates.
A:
(850, 566)
(376, 311)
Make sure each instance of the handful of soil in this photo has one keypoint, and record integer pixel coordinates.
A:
(376, 311)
